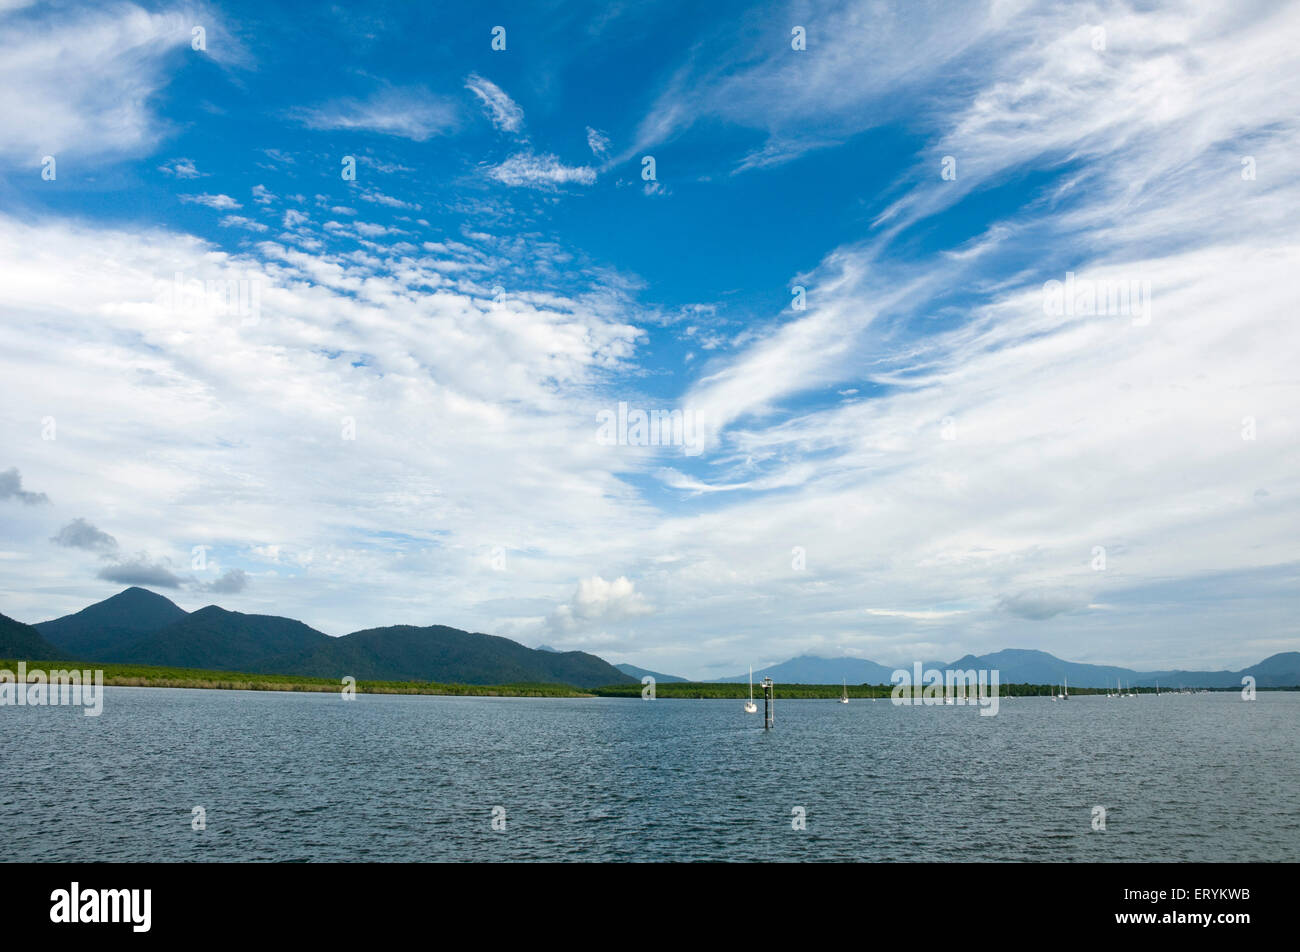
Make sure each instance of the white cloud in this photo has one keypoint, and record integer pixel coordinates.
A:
(432, 380)
(219, 202)
(376, 197)
(474, 417)
(239, 221)
(752, 78)
(501, 109)
(600, 602)
(546, 172)
(406, 112)
(180, 168)
(598, 142)
(80, 85)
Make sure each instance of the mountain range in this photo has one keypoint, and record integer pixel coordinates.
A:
(23, 641)
(1021, 666)
(633, 671)
(137, 626)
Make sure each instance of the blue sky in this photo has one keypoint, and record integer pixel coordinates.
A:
(400, 422)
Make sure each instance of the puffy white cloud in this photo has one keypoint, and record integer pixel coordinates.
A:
(140, 571)
(181, 169)
(80, 534)
(600, 602)
(219, 202)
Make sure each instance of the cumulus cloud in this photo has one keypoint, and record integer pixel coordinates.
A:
(240, 221)
(501, 109)
(180, 168)
(1042, 604)
(219, 202)
(601, 602)
(140, 571)
(11, 487)
(230, 582)
(80, 534)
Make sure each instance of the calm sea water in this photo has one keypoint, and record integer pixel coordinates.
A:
(311, 777)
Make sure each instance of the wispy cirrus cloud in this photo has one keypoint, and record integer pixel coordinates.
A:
(504, 112)
(924, 436)
(82, 82)
(410, 112)
(597, 142)
(753, 77)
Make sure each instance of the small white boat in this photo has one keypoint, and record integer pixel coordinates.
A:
(750, 706)
(844, 696)
(1065, 690)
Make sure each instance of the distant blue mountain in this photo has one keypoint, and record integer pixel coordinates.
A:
(633, 671)
(1017, 665)
(810, 669)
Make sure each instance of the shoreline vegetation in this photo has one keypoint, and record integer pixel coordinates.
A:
(149, 676)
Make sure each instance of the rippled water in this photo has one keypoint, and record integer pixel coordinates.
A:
(311, 777)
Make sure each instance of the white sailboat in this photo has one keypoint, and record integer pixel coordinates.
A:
(750, 706)
(844, 696)
(1065, 689)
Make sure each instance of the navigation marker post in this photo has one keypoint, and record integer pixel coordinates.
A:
(769, 718)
